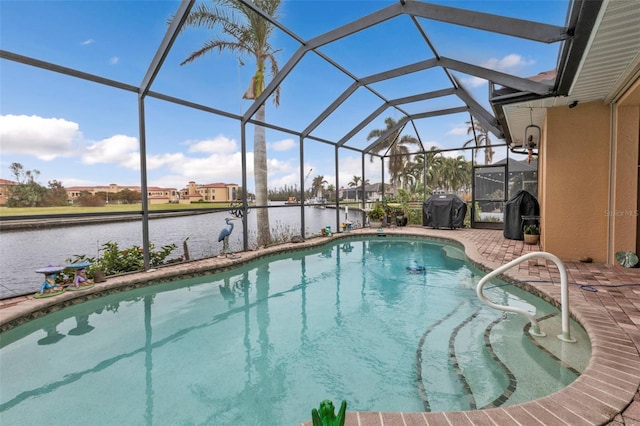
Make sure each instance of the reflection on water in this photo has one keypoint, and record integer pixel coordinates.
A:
(22, 252)
(53, 335)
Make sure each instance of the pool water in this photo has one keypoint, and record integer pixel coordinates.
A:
(265, 343)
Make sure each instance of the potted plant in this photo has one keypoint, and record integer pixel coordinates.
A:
(531, 234)
(376, 215)
(392, 211)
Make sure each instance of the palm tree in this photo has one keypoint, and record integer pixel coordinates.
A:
(317, 184)
(455, 173)
(244, 32)
(481, 138)
(331, 189)
(355, 182)
(435, 171)
(396, 145)
(412, 175)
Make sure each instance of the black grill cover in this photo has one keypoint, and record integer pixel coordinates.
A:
(444, 211)
(521, 204)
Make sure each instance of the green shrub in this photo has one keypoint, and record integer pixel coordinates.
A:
(116, 261)
(377, 213)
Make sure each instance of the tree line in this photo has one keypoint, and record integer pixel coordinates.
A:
(29, 193)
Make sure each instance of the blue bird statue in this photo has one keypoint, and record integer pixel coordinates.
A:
(224, 235)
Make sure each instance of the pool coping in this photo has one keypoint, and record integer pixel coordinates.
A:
(606, 387)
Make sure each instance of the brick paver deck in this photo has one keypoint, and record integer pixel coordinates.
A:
(606, 392)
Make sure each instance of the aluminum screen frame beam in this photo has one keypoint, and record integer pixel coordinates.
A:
(420, 116)
(365, 22)
(530, 30)
(48, 66)
(165, 46)
(486, 119)
(395, 102)
(154, 67)
(363, 82)
(508, 80)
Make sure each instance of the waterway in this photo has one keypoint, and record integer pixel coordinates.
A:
(24, 251)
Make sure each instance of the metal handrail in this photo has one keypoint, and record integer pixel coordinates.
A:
(564, 294)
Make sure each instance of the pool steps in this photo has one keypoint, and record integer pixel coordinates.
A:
(564, 294)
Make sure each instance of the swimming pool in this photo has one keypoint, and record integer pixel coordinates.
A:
(263, 344)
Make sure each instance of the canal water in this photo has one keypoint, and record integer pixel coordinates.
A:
(24, 251)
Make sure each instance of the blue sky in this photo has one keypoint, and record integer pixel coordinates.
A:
(83, 133)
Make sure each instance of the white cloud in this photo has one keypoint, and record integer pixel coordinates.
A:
(169, 181)
(161, 160)
(205, 161)
(437, 146)
(351, 166)
(473, 81)
(43, 138)
(283, 145)
(508, 64)
(114, 60)
(275, 166)
(79, 181)
(214, 168)
(460, 129)
(453, 154)
(219, 144)
(432, 144)
(118, 149)
(292, 179)
(87, 42)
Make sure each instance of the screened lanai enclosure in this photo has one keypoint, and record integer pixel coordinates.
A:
(377, 101)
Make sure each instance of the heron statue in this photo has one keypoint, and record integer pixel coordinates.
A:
(224, 234)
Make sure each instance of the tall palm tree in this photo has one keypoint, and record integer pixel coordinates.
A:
(455, 173)
(435, 171)
(396, 145)
(481, 138)
(356, 182)
(413, 175)
(331, 189)
(317, 184)
(244, 32)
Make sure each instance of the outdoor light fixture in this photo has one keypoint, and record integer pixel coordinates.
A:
(531, 139)
(532, 134)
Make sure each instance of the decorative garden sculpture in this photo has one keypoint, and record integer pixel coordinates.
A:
(225, 233)
(49, 287)
(80, 280)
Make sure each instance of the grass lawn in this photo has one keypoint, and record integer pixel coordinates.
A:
(123, 208)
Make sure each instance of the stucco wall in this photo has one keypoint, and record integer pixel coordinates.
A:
(625, 205)
(574, 203)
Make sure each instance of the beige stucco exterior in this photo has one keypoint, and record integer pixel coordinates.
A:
(624, 226)
(589, 178)
(213, 192)
(5, 190)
